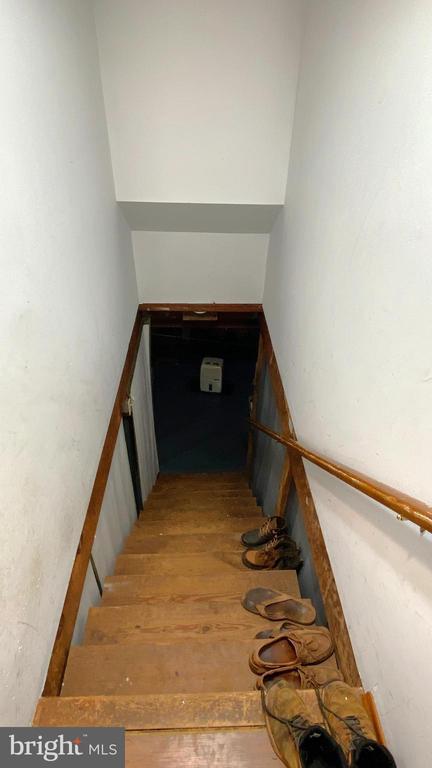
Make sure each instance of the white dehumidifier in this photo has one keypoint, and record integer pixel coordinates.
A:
(211, 374)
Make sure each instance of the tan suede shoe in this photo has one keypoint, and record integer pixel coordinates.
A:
(294, 735)
(291, 649)
(300, 678)
(351, 726)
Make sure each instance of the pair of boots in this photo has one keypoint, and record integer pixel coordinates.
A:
(347, 740)
(270, 546)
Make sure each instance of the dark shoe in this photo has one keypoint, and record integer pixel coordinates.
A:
(352, 727)
(262, 535)
(277, 553)
(369, 754)
(296, 739)
(278, 606)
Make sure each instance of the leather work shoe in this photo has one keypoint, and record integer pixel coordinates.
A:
(300, 678)
(351, 726)
(293, 648)
(279, 552)
(262, 535)
(296, 738)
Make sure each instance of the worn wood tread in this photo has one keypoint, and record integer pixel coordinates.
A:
(183, 564)
(217, 505)
(140, 543)
(180, 514)
(196, 492)
(153, 711)
(136, 588)
(212, 748)
(171, 620)
(160, 711)
(198, 525)
(190, 666)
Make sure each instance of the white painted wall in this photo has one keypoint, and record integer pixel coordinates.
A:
(199, 97)
(348, 298)
(199, 266)
(118, 512)
(68, 300)
(143, 418)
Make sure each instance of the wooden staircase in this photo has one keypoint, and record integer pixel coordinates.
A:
(166, 654)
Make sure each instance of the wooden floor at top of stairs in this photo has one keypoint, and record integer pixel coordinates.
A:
(136, 588)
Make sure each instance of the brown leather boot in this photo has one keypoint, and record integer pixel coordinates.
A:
(262, 535)
(280, 551)
(351, 726)
(296, 738)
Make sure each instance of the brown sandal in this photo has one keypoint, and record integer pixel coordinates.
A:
(278, 606)
(291, 649)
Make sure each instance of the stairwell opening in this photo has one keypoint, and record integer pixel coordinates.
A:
(201, 431)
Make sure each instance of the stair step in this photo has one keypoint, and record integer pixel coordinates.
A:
(213, 748)
(194, 492)
(181, 667)
(161, 711)
(217, 505)
(198, 525)
(183, 564)
(133, 589)
(140, 543)
(169, 620)
(179, 514)
(201, 477)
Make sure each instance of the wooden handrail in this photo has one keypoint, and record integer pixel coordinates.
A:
(405, 506)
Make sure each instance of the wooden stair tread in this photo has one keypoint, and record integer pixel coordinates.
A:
(186, 564)
(180, 514)
(136, 588)
(198, 525)
(175, 477)
(217, 505)
(224, 616)
(153, 711)
(189, 667)
(195, 491)
(163, 711)
(214, 748)
(140, 543)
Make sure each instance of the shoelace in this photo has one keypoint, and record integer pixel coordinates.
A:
(297, 724)
(351, 722)
(266, 527)
(272, 543)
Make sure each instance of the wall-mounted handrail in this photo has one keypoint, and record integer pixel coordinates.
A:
(405, 506)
